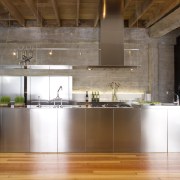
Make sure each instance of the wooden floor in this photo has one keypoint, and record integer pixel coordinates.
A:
(153, 166)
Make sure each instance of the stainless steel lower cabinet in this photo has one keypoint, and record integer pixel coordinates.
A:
(99, 130)
(15, 134)
(174, 130)
(1, 140)
(154, 130)
(43, 130)
(71, 130)
(127, 130)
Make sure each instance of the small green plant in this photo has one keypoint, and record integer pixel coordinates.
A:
(5, 100)
(19, 100)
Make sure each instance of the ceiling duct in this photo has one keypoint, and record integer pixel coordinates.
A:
(111, 34)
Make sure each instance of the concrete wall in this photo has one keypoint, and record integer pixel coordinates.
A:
(156, 57)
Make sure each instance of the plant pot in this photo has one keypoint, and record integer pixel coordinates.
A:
(4, 105)
(19, 105)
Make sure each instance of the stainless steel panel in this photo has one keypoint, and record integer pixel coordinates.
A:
(38, 86)
(46, 87)
(127, 130)
(12, 86)
(15, 129)
(154, 130)
(71, 130)
(173, 130)
(111, 34)
(99, 130)
(1, 138)
(43, 130)
(49, 66)
(0, 85)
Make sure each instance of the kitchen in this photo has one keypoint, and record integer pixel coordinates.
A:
(72, 54)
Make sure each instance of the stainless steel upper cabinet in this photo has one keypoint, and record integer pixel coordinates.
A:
(71, 130)
(0, 84)
(43, 130)
(154, 130)
(174, 129)
(47, 86)
(99, 130)
(38, 86)
(12, 86)
(127, 130)
(15, 130)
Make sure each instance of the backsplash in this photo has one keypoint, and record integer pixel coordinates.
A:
(81, 49)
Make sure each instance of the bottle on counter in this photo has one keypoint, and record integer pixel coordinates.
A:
(98, 96)
(92, 97)
(87, 99)
(95, 97)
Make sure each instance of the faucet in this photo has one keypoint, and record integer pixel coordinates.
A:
(177, 97)
(58, 98)
(60, 88)
(39, 102)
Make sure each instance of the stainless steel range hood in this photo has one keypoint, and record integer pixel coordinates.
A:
(111, 35)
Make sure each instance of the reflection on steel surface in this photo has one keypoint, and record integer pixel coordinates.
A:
(90, 129)
(99, 130)
(127, 130)
(15, 130)
(71, 130)
(173, 130)
(43, 130)
(154, 130)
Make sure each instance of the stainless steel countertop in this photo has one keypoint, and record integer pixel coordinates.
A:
(73, 106)
(89, 107)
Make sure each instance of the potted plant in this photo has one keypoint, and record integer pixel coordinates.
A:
(19, 101)
(5, 101)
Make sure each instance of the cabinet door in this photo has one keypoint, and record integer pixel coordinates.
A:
(1, 138)
(154, 130)
(174, 130)
(127, 130)
(15, 125)
(71, 130)
(99, 130)
(43, 130)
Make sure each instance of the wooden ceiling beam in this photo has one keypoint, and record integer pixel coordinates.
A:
(6, 17)
(127, 3)
(97, 15)
(77, 13)
(140, 11)
(56, 11)
(35, 11)
(163, 11)
(165, 25)
(13, 11)
(96, 20)
(4, 23)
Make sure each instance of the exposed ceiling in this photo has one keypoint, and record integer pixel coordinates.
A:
(80, 13)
